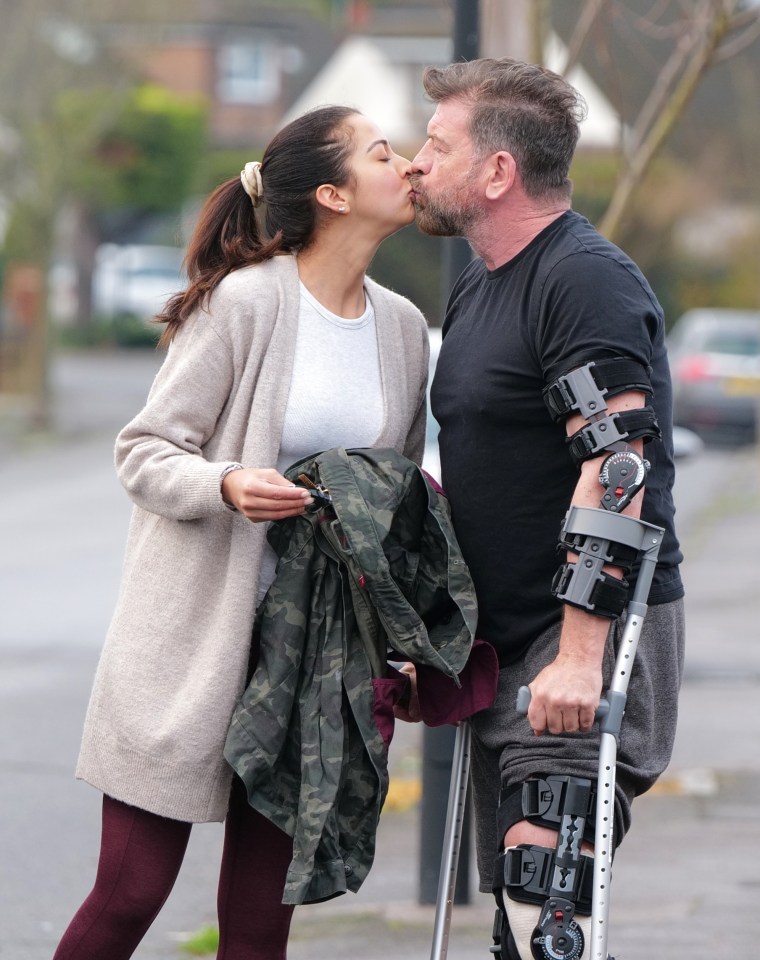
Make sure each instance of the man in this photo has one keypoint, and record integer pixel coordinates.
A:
(546, 296)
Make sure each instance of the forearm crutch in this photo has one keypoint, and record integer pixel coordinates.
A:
(610, 716)
(452, 841)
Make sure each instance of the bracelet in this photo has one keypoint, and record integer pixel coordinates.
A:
(229, 469)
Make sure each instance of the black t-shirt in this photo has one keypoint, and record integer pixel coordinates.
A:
(569, 297)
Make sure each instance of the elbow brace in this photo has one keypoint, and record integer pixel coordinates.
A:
(600, 535)
(584, 391)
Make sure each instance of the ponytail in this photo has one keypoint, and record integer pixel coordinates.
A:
(225, 238)
(279, 193)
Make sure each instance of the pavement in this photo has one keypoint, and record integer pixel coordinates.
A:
(686, 878)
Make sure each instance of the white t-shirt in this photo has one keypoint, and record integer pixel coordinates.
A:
(336, 395)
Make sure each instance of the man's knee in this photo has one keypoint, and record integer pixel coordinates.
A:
(543, 879)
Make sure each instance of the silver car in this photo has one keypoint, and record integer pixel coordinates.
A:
(715, 362)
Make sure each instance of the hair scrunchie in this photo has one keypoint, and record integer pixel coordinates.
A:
(250, 177)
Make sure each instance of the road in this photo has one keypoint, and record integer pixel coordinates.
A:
(685, 880)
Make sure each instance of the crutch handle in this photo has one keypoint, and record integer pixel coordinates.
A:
(523, 702)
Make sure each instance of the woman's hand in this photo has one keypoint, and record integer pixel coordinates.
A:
(264, 494)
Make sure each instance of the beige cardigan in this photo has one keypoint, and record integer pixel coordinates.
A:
(176, 654)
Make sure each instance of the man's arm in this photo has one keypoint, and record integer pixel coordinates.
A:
(565, 694)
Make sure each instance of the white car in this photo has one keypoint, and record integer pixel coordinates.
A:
(431, 461)
(136, 280)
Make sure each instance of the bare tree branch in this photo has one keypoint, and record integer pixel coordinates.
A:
(539, 29)
(586, 20)
(718, 26)
(649, 23)
(664, 84)
(732, 48)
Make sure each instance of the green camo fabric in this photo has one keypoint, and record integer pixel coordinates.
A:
(380, 570)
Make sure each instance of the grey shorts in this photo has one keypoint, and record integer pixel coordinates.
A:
(505, 750)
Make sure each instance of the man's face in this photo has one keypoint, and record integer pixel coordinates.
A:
(445, 173)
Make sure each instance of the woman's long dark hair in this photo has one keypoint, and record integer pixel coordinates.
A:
(314, 149)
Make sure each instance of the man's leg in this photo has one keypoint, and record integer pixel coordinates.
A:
(505, 749)
(543, 877)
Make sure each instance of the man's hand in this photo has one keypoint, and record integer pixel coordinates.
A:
(564, 696)
(264, 494)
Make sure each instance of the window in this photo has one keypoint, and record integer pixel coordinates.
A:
(248, 73)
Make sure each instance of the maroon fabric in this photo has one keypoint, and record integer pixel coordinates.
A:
(388, 691)
(441, 701)
(140, 857)
(433, 483)
(253, 922)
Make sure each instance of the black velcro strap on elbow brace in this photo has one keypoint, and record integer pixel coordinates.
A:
(612, 376)
(625, 425)
(606, 598)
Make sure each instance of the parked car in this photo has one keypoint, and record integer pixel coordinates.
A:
(715, 361)
(431, 461)
(686, 443)
(135, 280)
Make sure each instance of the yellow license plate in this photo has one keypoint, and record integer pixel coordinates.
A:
(743, 386)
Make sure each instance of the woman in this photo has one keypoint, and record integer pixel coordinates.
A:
(279, 347)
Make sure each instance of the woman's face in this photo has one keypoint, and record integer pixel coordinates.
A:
(380, 194)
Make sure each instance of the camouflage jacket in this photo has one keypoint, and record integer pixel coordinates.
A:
(376, 570)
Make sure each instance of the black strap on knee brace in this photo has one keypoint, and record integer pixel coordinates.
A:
(531, 873)
(541, 801)
(528, 873)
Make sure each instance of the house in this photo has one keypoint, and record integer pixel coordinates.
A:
(248, 69)
(382, 77)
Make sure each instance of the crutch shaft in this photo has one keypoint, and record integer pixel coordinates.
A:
(452, 841)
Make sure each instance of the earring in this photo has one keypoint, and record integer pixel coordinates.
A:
(341, 209)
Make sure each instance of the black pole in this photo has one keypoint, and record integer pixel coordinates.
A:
(438, 742)
(466, 46)
(466, 29)
(437, 754)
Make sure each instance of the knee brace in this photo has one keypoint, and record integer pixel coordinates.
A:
(542, 893)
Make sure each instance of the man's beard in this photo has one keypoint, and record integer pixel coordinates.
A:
(447, 216)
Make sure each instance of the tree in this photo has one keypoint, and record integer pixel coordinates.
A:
(100, 151)
(701, 34)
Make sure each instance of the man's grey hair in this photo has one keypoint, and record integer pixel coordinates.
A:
(522, 108)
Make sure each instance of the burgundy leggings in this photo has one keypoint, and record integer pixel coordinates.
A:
(140, 857)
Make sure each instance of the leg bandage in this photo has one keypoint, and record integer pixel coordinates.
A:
(530, 943)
